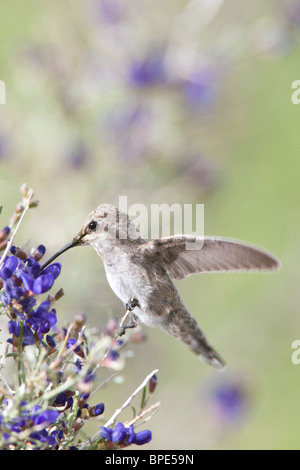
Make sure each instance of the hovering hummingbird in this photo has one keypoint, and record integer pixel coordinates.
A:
(141, 273)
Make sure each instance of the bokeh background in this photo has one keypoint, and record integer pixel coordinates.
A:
(169, 102)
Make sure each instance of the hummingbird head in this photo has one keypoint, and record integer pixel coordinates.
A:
(105, 226)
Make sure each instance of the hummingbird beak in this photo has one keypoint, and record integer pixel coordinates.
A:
(75, 242)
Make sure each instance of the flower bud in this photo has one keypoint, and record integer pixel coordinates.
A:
(18, 252)
(4, 232)
(152, 383)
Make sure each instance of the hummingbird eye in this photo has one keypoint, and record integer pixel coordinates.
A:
(92, 225)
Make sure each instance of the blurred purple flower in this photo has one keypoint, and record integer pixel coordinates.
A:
(148, 71)
(77, 155)
(200, 88)
(108, 11)
(130, 128)
(229, 401)
(292, 12)
(71, 342)
(4, 145)
(199, 170)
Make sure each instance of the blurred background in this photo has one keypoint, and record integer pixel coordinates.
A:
(178, 102)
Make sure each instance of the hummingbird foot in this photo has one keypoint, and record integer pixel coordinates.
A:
(132, 303)
(132, 318)
(132, 323)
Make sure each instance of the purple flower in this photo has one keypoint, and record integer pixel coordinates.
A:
(60, 399)
(149, 71)
(200, 88)
(18, 252)
(78, 155)
(77, 366)
(108, 11)
(119, 433)
(143, 437)
(50, 341)
(42, 284)
(84, 396)
(54, 269)
(46, 417)
(98, 409)
(106, 433)
(229, 400)
(23, 282)
(89, 377)
(42, 320)
(125, 436)
(38, 420)
(130, 435)
(291, 11)
(5, 145)
(41, 249)
(38, 253)
(113, 355)
(130, 127)
(9, 266)
(15, 328)
(32, 267)
(70, 344)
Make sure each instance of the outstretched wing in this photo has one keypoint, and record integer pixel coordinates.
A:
(210, 255)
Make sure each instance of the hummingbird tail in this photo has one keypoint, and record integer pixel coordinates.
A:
(184, 327)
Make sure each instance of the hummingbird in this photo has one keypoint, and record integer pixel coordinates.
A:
(142, 273)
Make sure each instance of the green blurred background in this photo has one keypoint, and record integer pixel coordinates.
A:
(174, 102)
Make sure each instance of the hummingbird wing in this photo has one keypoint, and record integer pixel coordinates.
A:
(211, 255)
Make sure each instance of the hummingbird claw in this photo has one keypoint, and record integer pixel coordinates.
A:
(132, 303)
(132, 323)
